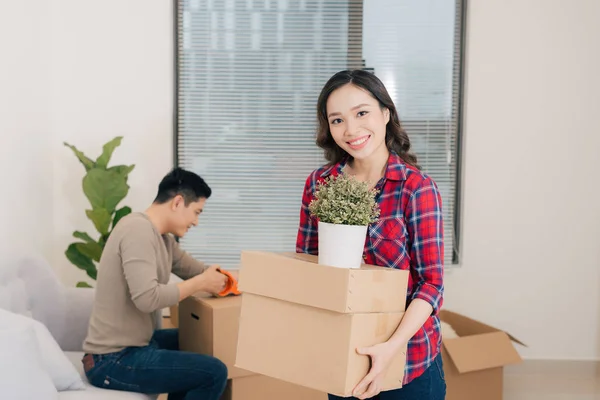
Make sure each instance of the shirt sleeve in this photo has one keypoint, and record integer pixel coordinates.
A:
(140, 270)
(184, 265)
(425, 228)
(307, 239)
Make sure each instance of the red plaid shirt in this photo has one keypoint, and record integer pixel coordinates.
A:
(407, 236)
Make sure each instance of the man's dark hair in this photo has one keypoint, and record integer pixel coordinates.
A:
(185, 183)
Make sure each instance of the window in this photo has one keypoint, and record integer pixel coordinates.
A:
(248, 76)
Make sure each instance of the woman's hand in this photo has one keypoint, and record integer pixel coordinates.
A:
(382, 354)
(381, 357)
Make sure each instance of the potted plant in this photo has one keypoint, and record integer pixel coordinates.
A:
(104, 187)
(344, 207)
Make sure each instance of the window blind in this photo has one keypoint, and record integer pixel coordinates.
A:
(248, 76)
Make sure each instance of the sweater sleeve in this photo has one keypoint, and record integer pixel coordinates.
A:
(184, 265)
(140, 269)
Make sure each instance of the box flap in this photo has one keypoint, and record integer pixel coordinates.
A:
(478, 352)
(514, 339)
(465, 326)
(298, 278)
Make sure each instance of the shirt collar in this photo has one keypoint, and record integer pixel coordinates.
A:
(394, 171)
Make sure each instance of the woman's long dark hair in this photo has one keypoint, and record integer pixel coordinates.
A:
(396, 138)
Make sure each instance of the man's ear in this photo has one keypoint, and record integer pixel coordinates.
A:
(177, 201)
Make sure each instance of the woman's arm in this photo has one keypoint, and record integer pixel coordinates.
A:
(425, 225)
(424, 220)
(307, 240)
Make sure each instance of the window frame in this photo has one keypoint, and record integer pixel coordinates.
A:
(354, 63)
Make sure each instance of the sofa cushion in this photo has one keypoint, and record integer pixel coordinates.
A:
(64, 376)
(23, 375)
(94, 393)
(28, 286)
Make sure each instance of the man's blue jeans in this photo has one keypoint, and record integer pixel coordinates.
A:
(429, 386)
(159, 368)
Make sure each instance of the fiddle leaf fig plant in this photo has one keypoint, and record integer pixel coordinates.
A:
(105, 187)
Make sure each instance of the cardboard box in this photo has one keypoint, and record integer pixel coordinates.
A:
(301, 322)
(259, 387)
(474, 361)
(298, 278)
(209, 325)
(313, 347)
(174, 315)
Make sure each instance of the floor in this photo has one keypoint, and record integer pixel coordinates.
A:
(543, 380)
(549, 380)
(552, 380)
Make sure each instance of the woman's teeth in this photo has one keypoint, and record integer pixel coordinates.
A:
(359, 141)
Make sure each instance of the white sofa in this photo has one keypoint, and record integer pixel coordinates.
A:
(43, 324)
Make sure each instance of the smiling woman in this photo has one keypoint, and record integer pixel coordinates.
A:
(361, 135)
(367, 108)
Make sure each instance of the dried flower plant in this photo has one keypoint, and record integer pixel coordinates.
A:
(343, 199)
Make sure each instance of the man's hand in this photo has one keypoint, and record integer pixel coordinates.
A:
(213, 281)
(381, 357)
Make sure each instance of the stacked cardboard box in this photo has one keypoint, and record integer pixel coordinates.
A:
(302, 322)
(209, 325)
(474, 355)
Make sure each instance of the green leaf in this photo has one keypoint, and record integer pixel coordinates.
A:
(87, 163)
(107, 151)
(83, 285)
(121, 212)
(83, 236)
(92, 250)
(81, 261)
(122, 170)
(103, 239)
(105, 189)
(101, 219)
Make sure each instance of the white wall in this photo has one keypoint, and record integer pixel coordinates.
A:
(530, 253)
(25, 166)
(531, 227)
(112, 76)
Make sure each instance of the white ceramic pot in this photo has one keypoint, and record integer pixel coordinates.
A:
(341, 245)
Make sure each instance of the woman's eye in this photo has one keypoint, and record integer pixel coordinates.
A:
(361, 113)
(336, 121)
